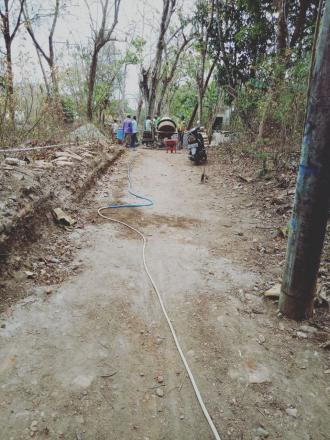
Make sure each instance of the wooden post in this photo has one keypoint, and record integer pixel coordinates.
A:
(312, 198)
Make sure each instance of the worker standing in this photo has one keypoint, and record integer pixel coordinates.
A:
(148, 124)
(181, 130)
(128, 130)
(135, 131)
(114, 128)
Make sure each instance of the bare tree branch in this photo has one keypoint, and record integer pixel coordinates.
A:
(50, 58)
(101, 37)
(19, 20)
(9, 36)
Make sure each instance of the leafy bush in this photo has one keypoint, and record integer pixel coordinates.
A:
(68, 108)
(277, 98)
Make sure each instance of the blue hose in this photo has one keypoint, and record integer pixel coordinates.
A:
(149, 202)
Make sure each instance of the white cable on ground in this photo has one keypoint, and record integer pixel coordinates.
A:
(178, 346)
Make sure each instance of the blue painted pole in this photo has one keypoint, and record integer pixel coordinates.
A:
(312, 197)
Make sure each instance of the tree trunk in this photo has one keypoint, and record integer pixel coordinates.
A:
(194, 112)
(192, 117)
(200, 103)
(300, 22)
(56, 93)
(168, 78)
(168, 8)
(263, 121)
(311, 204)
(282, 31)
(8, 35)
(152, 99)
(50, 59)
(52, 55)
(139, 109)
(43, 73)
(144, 85)
(10, 82)
(162, 96)
(91, 85)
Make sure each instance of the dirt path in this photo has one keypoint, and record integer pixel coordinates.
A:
(85, 362)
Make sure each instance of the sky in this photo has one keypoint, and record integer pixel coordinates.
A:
(137, 17)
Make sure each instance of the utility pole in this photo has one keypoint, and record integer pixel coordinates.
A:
(312, 198)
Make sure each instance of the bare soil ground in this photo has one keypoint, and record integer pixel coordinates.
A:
(84, 354)
(29, 191)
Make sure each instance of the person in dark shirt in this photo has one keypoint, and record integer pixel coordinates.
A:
(128, 130)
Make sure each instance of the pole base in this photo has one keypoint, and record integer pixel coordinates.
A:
(297, 308)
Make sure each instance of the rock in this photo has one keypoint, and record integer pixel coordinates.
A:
(182, 417)
(62, 218)
(29, 274)
(160, 379)
(307, 329)
(281, 326)
(292, 412)
(14, 161)
(261, 339)
(274, 292)
(327, 371)
(66, 155)
(160, 392)
(34, 426)
(326, 345)
(49, 290)
(19, 276)
(53, 260)
(301, 335)
(261, 432)
(63, 163)
(261, 375)
(42, 164)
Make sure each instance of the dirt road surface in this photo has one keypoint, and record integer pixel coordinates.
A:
(94, 359)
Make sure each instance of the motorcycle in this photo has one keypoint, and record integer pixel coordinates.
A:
(196, 147)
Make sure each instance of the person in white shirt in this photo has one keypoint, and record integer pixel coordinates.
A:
(135, 130)
(114, 128)
(148, 124)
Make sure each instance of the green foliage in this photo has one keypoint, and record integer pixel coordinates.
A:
(266, 84)
(243, 32)
(278, 99)
(68, 108)
(184, 100)
(138, 44)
